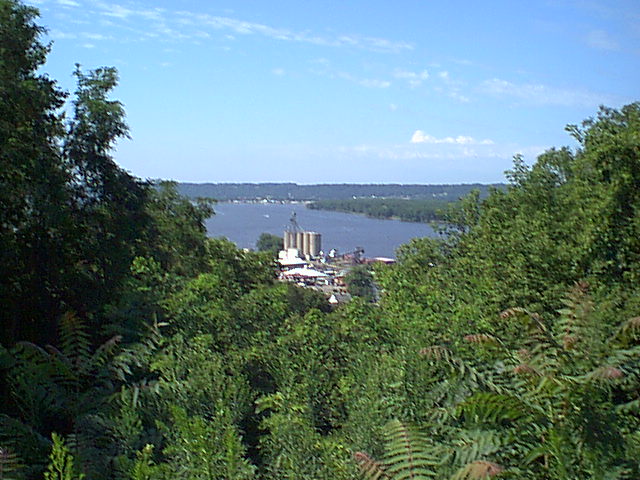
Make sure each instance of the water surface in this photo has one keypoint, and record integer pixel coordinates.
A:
(243, 223)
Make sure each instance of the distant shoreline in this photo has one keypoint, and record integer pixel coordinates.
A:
(291, 192)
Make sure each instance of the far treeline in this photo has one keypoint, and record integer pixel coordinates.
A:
(408, 210)
(294, 192)
(133, 347)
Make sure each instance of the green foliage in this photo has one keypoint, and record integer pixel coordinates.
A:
(11, 467)
(176, 236)
(35, 218)
(61, 462)
(144, 467)
(408, 454)
(269, 243)
(360, 283)
(292, 448)
(198, 448)
(409, 210)
(294, 191)
(245, 269)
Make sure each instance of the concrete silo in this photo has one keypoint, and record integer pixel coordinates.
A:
(305, 243)
(299, 241)
(289, 240)
(315, 243)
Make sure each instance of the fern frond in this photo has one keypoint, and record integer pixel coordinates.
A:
(492, 408)
(630, 330)
(369, 468)
(10, 464)
(480, 469)
(104, 353)
(527, 317)
(136, 355)
(575, 329)
(409, 453)
(438, 353)
(525, 369)
(482, 338)
(605, 373)
(75, 343)
(473, 445)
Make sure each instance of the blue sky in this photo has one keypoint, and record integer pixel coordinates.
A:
(348, 91)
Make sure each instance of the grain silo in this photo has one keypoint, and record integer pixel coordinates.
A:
(289, 240)
(305, 243)
(299, 241)
(315, 243)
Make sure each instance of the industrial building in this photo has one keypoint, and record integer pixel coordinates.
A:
(308, 244)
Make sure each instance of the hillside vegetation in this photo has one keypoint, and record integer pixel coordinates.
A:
(293, 191)
(134, 347)
(408, 210)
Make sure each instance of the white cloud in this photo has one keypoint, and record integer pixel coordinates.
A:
(118, 11)
(278, 71)
(414, 79)
(68, 3)
(115, 10)
(420, 137)
(374, 83)
(96, 36)
(540, 94)
(365, 82)
(601, 40)
(60, 35)
(181, 25)
(458, 96)
(88, 45)
(242, 27)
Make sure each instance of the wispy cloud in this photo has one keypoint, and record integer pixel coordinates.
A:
(68, 3)
(365, 82)
(323, 68)
(60, 35)
(539, 94)
(450, 87)
(415, 79)
(180, 24)
(243, 27)
(420, 137)
(601, 40)
(443, 152)
(116, 10)
(96, 36)
(374, 83)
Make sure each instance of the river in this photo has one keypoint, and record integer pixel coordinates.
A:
(243, 223)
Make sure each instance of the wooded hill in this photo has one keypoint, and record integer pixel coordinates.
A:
(134, 347)
(293, 191)
(408, 210)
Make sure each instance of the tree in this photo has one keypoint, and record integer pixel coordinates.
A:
(176, 235)
(360, 283)
(269, 243)
(34, 195)
(109, 203)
